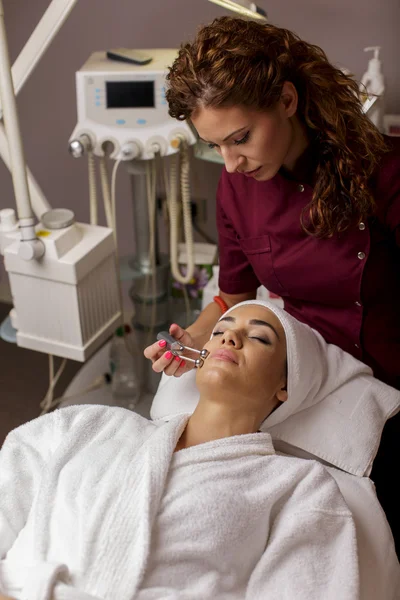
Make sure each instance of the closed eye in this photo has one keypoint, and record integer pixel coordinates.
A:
(243, 140)
(262, 340)
(252, 337)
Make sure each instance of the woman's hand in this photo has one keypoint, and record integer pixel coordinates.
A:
(165, 361)
(6, 597)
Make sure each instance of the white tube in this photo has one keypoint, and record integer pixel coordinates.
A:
(187, 220)
(17, 159)
(92, 188)
(114, 199)
(187, 210)
(151, 186)
(173, 214)
(105, 188)
(42, 36)
(38, 201)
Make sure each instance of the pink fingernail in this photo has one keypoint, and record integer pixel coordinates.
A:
(168, 355)
(162, 343)
(177, 358)
(183, 363)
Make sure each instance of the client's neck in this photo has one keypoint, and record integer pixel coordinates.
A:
(215, 420)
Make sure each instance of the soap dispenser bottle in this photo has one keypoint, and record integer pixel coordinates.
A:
(373, 84)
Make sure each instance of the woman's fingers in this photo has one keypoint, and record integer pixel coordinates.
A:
(181, 335)
(156, 350)
(176, 367)
(167, 363)
(161, 363)
(163, 360)
(183, 367)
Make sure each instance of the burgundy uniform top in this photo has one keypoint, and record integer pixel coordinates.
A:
(346, 287)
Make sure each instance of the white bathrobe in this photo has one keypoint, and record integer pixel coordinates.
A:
(95, 504)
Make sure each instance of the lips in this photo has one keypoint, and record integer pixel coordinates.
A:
(251, 173)
(226, 355)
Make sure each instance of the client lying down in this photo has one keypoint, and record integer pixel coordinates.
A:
(97, 502)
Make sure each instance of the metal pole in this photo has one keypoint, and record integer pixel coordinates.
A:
(44, 33)
(17, 159)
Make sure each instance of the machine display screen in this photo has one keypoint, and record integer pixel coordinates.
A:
(130, 94)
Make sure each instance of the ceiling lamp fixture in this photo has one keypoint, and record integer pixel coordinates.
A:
(244, 8)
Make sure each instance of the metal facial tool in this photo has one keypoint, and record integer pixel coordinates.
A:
(178, 349)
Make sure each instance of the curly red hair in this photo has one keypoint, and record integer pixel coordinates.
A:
(237, 62)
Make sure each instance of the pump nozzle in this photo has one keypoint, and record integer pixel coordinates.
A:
(375, 50)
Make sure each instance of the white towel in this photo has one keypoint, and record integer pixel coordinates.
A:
(90, 509)
(238, 522)
(81, 487)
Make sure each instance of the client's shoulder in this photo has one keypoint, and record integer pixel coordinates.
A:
(307, 485)
(95, 413)
(102, 421)
(79, 422)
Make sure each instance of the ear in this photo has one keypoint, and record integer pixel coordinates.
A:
(289, 98)
(282, 394)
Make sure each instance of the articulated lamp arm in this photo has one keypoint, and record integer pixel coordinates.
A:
(47, 28)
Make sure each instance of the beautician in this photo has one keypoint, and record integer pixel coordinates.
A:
(308, 203)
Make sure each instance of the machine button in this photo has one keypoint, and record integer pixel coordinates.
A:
(98, 103)
(141, 121)
(361, 255)
(98, 90)
(120, 121)
(361, 226)
(301, 187)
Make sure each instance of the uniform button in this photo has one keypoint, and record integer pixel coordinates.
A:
(361, 226)
(356, 345)
(301, 188)
(358, 303)
(361, 255)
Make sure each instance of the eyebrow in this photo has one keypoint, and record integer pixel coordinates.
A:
(227, 137)
(253, 322)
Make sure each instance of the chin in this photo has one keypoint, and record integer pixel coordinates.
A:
(215, 375)
(267, 173)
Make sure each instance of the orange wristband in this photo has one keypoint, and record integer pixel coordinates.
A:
(221, 303)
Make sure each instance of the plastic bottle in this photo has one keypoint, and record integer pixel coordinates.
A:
(125, 361)
(373, 83)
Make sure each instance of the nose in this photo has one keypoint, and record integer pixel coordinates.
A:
(231, 338)
(232, 159)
